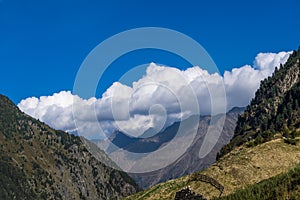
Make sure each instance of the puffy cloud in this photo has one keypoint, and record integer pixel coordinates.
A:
(162, 96)
(266, 62)
(56, 110)
(241, 83)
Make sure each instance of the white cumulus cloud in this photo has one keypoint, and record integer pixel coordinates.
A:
(162, 96)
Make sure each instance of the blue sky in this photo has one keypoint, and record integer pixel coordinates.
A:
(43, 43)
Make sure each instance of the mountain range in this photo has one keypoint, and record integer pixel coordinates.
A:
(262, 160)
(187, 163)
(257, 155)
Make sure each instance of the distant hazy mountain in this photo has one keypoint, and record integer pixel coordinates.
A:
(37, 162)
(189, 162)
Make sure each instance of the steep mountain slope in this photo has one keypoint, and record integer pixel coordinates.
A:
(37, 162)
(239, 168)
(189, 162)
(274, 108)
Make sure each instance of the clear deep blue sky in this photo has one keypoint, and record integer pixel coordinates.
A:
(43, 43)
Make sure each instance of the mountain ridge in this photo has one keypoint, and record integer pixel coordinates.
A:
(39, 162)
(239, 168)
(274, 108)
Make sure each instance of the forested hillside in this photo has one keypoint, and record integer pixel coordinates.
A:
(274, 109)
(38, 162)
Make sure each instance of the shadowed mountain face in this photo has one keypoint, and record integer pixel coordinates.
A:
(37, 162)
(188, 162)
(141, 145)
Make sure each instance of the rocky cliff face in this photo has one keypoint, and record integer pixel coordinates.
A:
(37, 162)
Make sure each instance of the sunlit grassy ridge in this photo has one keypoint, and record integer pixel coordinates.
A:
(283, 186)
(242, 167)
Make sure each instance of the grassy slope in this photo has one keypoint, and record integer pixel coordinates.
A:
(283, 186)
(238, 169)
